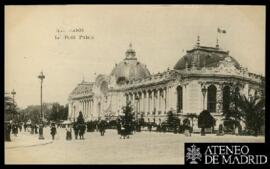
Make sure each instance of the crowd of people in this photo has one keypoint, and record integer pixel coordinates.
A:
(77, 128)
(13, 127)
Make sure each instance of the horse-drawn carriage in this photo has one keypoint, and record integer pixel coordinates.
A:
(125, 131)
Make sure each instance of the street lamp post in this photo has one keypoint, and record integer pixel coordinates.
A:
(13, 107)
(204, 92)
(74, 114)
(41, 137)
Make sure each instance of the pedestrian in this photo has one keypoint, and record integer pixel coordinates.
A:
(15, 129)
(118, 127)
(53, 130)
(7, 131)
(150, 127)
(220, 130)
(122, 131)
(68, 134)
(81, 130)
(20, 126)
(237, 131)
(102, 127)
(32, 128)
(24, 126)
(36, 128)
(76, 130)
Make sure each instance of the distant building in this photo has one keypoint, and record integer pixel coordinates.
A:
(208, 70)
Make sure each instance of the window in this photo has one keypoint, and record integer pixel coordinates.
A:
(236, 96)
(179, 98)
(226, 98)
(211, 98)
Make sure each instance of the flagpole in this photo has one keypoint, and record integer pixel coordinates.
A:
(217, 46)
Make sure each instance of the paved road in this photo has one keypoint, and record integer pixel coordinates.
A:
(141, 148)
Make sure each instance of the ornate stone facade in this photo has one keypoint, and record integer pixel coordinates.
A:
(179, 90)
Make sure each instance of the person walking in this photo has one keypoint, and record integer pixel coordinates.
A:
(24, 126)
(102, 127)
(36, 128)
(82, 128)
(15, 129)
(32, 129)
(68, 134)
(53, 130)
(7, 131)
(76, 130)
(20, 126)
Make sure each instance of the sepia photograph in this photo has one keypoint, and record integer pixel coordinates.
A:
(131, 84)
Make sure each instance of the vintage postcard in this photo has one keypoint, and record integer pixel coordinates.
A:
(134, 84)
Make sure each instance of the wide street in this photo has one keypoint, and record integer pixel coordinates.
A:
(141, 148)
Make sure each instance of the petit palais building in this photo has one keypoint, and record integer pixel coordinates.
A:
(204, 78)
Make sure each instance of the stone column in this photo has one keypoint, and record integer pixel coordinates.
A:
(151, 97)
(82, 106)
(69, 110)
(158, 101)
(85, 107)
(89, 114)
(126, 97)
(219, 107)
(163, 101)
(173, 98)
(154, 101)
(133, 100)
(184, 91)
(91, 108)
(94, 108)
(168, 98)
(245, 90)
(147, 102)
(140, 102)
(84, 113)
(142, 99)
(143, 104)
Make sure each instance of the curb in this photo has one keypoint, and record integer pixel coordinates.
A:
(29, 145)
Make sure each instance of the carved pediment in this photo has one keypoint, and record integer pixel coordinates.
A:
(228, 66)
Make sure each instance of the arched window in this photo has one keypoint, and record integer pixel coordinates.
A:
(211, 98)
(236, 96)
(104, 87)
(226, 98)
(179, 98)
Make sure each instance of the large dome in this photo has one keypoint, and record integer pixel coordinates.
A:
(201, 56)
(130, 68)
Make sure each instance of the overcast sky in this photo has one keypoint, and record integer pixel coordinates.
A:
(159, 34)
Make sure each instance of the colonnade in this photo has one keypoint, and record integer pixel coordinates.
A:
(155, 101)
(86, 106)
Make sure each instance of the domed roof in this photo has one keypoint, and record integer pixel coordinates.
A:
(130, 68)
(202, 56)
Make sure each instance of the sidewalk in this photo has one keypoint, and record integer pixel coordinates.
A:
(25, 139)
